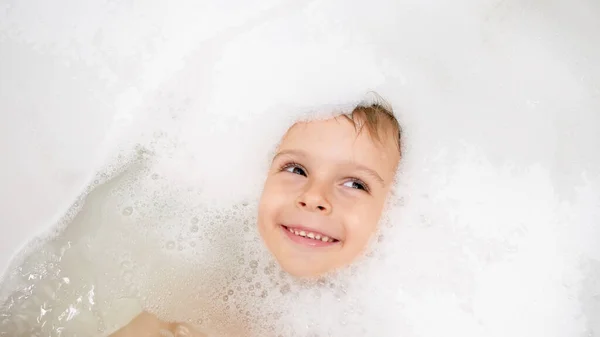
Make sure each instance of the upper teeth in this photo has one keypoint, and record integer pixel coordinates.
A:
(310, 235)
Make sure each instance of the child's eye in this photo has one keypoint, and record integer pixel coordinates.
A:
(357, 184)
(294, 168)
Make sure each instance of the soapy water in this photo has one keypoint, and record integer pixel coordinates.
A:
(139, 242)
(491, 230)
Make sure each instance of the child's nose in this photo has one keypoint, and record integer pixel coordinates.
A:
(314, 200)
(312, 207)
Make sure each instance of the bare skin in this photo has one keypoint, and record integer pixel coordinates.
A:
(148, 325)
(326, 180)
(144, 325)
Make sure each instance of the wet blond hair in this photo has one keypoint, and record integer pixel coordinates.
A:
(379, 120)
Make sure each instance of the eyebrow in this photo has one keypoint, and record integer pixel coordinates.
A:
(289, 152)
(359, 167)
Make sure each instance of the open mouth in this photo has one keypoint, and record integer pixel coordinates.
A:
(309, 237)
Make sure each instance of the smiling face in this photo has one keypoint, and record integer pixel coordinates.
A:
(324, 195)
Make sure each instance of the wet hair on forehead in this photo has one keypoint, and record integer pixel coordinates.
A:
(379, 120)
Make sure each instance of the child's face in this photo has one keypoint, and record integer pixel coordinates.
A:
(324, 195)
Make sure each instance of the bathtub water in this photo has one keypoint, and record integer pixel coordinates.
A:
(139, 136)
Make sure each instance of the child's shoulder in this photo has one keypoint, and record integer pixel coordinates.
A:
(148, 325)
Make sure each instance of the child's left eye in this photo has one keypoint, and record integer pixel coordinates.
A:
(357, 184)
(294, 168)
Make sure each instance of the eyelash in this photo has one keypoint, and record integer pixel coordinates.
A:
(293, 164)
(365, 186)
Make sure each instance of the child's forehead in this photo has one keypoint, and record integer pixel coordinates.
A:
(335, 130)
(338, 131)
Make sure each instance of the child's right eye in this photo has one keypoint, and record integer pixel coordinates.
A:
(294, 168)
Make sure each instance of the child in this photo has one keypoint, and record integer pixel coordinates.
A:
(322, 199)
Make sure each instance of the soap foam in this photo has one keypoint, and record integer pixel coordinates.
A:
(487, 232)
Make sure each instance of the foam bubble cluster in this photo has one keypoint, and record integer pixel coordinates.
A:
(491, 229)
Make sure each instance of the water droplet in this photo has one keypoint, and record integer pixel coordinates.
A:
(230, 292)
(192, 244)
(155, 176)
(253, 264)
(194, 229)
(225, 298)
(194, 220)
(127, 211)
(257, 285)
(170, 245)
(241, 260)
